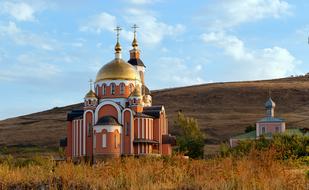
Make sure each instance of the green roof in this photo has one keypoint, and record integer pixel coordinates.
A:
(249, 135)
(252, 134)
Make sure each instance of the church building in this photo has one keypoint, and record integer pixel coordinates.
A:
(118, 117)
(265, 127)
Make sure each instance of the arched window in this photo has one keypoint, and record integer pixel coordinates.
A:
(104, 140)
(90, 130)
(127, 128)
(122, 87)
(104, 89)
(115, 140)
(113, 88)
(263, 130)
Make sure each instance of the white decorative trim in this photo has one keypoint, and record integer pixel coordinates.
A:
(117, 55)
(109, 128)
(122, 101)
(117, 82)
(140, 68)
(84, 137)
(138, 128)
(80, 136)
(143, 126)
(107, 102)
(90, 98)
(73, 139)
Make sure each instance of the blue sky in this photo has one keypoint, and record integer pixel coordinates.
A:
(50, 49)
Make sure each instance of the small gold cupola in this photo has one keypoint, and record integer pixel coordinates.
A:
(90, 94)
(91, 99)
(134, 42)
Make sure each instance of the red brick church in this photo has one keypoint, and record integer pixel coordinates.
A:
(118, 117)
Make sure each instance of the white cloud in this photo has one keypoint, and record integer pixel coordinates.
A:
(29, 66)
(19, 10)
(175, 72)
(100, 23)
(266, 63)
(152, 30)
(25, 38)
(226, 13)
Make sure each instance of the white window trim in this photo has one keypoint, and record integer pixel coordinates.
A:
(104, 89)
(113, 89)
(104, 140)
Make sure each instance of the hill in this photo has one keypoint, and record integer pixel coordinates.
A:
(222, 110)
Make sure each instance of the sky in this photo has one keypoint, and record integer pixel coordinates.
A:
(50, 49)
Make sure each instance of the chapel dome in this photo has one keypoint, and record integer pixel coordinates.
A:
(117, 69)
(91, 94)
(270, 103)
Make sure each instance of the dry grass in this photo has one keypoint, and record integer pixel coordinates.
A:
(256, 171)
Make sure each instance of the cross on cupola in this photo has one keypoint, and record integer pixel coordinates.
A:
(118, 29)
(134, 43)
(90, 84)
(118, 46)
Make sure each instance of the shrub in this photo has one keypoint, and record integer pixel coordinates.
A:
(290, 146)
(190, 139)
(285, 146)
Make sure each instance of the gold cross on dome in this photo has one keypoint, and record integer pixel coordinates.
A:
(134, 28)
(90, 83)
(118, 29)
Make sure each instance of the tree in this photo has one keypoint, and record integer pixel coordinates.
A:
(250, 128)
(190, 139)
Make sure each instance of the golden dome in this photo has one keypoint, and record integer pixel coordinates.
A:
(90, 94)
(134, 43)
(136, 92)
(117, 69)
(118, 47)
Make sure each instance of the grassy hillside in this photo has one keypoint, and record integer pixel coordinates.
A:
(222, 110)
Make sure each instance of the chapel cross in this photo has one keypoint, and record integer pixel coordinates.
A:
(90, 83)
(134, 28)
(118, 29)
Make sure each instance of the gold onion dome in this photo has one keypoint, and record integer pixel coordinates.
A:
(134, 43)
(117, 69)
(136, 92)
(90, 94)
(118, 47)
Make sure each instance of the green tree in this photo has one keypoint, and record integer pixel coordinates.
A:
(250, 128)
(190, 139)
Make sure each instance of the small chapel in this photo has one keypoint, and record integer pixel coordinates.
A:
(267, 127)
(118, 118)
